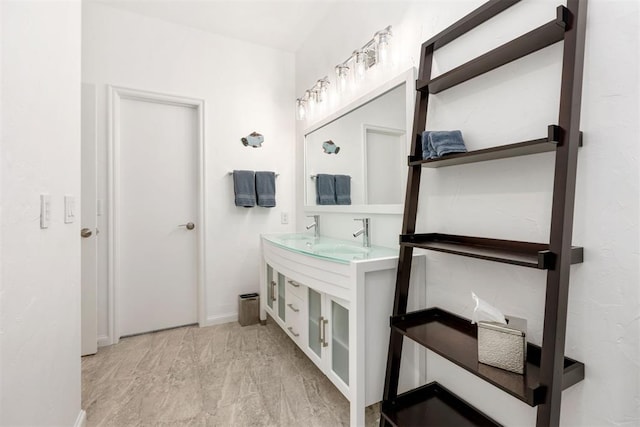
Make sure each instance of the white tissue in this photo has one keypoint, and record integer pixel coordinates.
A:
(486, 312)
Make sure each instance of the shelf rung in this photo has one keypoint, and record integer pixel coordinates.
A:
(525, 254)
(456, 339)
(433, 406)
(546, 35)
(524, 148)
(479, 16)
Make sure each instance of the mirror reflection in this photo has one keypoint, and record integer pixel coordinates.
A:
(360, 157)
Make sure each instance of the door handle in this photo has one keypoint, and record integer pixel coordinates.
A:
(295, 310)
(273, 290)
(324, 332)
(189, 225)
(85, 232)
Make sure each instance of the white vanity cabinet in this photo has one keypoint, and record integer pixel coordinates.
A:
(295, 306)
(275, 292)
(337, 312)
(328, 337)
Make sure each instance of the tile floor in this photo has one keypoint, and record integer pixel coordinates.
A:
(223, 375)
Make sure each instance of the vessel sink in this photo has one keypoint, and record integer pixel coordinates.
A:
(339, 248)
(341, 251)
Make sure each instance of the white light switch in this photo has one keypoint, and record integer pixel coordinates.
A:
(45, 210)
(284, 218)
(69, 209)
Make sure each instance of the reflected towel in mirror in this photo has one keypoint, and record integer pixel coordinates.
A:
(343, 189)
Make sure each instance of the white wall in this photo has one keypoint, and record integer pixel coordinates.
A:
(512, 198)
(40, 151)
(245, 88)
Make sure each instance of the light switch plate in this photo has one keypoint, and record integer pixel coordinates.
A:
(284, 218)
(69, 209)
(45, 210)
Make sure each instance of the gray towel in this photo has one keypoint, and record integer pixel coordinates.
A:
(343, 190)
(266, 189)
(244, 186)
(428, 152)
(325, 189)
(447, 142)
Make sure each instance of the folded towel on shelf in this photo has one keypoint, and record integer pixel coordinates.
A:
(325, 189)
(266, 189)
(343, 189)
(428, 152)
(447, 142)
(244, 186)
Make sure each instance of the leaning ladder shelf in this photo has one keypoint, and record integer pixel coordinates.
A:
(548, 371)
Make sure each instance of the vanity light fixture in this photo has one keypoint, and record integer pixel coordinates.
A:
(342, 73)
(375, 51)
(360, 59)
(300, 108)
(322, 86)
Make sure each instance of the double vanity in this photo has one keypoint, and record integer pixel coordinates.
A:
(334, 298)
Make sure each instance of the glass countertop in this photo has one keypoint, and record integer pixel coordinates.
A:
(342, 251)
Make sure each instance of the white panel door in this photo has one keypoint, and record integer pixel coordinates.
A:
(89, 249)
(157, 194)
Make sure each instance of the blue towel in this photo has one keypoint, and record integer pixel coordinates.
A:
(447, 142)
(325, 189)
(428, 152)
(244, 186)
(343, 189)
(266, 189)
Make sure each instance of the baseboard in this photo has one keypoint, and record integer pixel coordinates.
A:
(104, 340)
(220, 319)
(81, 421)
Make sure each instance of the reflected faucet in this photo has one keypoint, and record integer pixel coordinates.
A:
(315, 225)
(366, 241)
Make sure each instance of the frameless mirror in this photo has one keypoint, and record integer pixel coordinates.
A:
(368, 141)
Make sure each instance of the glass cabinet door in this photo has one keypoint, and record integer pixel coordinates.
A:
(315, 307)
(281, 300)
(270, 295)
(340, 341)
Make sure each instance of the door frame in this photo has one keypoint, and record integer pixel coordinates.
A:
(115, 96)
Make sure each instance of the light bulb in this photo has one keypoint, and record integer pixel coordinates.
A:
(323, 85)
(300, 110)
(342, 71)
(361, 63)
(383, 37)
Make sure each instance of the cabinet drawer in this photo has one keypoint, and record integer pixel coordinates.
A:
(295, 288)
(294, 324)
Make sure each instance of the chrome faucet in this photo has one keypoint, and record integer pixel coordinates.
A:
(315, 225)
(366, 241)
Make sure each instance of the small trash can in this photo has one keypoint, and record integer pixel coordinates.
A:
(248, 309)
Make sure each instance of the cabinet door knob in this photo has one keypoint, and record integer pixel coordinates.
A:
(85, 232)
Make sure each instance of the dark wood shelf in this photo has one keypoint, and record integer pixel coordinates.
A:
(469, 22)
(456, 339)
(546, 35)
(433, 406)
(525, 148)
(525, 254)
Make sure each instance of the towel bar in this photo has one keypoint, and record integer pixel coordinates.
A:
(315, 176)
(231, 173)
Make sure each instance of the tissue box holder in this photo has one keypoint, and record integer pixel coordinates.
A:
(503, 346)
